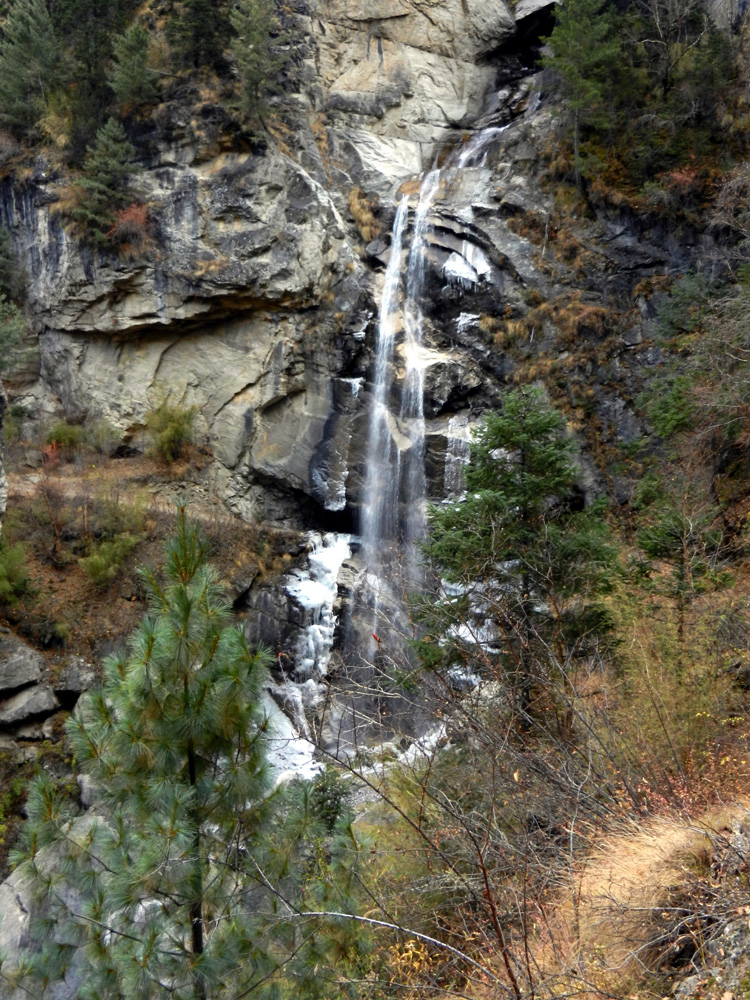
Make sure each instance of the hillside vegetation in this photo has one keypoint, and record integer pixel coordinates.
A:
(577, 822)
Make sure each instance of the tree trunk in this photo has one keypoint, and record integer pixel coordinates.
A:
(196, 904)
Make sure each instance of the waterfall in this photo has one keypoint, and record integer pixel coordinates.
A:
(393, 515)
(367, 699)
(412, 484)
(380, 509)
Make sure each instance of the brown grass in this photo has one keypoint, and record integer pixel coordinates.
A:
(70, 614)
(361, 208)
(641, 903)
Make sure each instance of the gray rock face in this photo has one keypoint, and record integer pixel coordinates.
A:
(20, 665)
(399, 77)
(14, 903)
(242, 229)
(76, 676)
(218, 322)
(36, 700)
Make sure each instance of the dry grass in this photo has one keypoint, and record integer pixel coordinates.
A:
(645, 901)
(361, 208)
(70, 615)
(648, 287)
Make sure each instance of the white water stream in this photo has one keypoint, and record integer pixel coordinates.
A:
(394, 494)
(393, 519)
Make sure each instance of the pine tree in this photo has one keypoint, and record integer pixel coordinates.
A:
(86, 28)
(682, 532)
(101, 188)
(519, 546)
(585, 53)
(131, 79)
(200, 33)
(29, 62)
(152, 900)
(257, 61)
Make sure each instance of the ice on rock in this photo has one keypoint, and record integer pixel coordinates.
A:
(291, 753)
(315, 589)
(459, 271)
(457, 455)
(468, 268)
(465, 321)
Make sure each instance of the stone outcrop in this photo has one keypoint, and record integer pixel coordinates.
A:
(400, 77)
(33, 701)
(25, 695)
(253, 304)
(20, 665)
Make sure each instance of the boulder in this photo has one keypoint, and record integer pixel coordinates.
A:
(31, 701)
(20, 665)
(527, 8)
(74, 677)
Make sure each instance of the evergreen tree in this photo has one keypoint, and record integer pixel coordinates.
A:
(87, 28)
(101, 188)
(131, 79)
(586, 50)
(519, 546)
(153, 897)
(199, 35)
(29, 62)
(252, 22)
(682, 532)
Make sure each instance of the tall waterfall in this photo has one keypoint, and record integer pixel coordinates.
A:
(412, 476)
(393, 520)
(394, 491)
(380, 509)
(392, 514)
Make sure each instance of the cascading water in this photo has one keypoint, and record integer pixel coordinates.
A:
(394, 491)
(393, 519)
(380, 509)
(412, 483)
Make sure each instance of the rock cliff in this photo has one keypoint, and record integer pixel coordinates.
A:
(3, 477)
(255, 303)
(255, 298)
